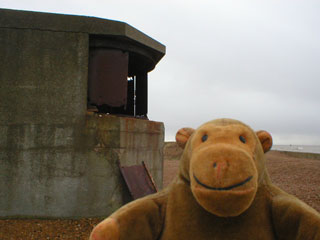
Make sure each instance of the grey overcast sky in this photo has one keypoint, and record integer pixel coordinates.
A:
(257, 61)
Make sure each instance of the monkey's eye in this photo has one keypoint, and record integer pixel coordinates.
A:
(204, 138)
(242, 139)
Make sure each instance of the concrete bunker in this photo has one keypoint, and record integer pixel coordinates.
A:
(57, 157)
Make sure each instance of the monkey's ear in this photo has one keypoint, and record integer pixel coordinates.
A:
(183, 135)
(265, 140)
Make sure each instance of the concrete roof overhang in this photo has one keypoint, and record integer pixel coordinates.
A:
(104, 32)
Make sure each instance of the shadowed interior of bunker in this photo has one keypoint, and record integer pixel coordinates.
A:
(118, 77)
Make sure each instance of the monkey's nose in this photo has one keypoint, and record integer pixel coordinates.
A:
(219, 167)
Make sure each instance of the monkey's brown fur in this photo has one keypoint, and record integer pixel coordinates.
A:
(222, 191)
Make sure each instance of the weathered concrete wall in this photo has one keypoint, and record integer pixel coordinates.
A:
(43, 76)
(56, 161)
(128, 140)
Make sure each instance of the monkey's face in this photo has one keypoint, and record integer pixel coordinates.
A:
(222, 171)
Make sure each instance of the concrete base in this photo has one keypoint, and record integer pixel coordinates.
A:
(72, 171)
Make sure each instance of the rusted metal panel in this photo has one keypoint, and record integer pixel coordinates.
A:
(138, 180)
(108, 72)
(150, 177)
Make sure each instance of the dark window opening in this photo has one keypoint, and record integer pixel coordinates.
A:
(117, 83)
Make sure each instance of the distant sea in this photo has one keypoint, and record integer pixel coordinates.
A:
(298, 148)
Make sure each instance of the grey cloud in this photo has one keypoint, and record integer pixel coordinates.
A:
(256, 61)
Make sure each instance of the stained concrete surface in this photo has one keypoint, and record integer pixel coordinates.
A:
(55, 159)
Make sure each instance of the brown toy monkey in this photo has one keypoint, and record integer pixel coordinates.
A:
(222, 191)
